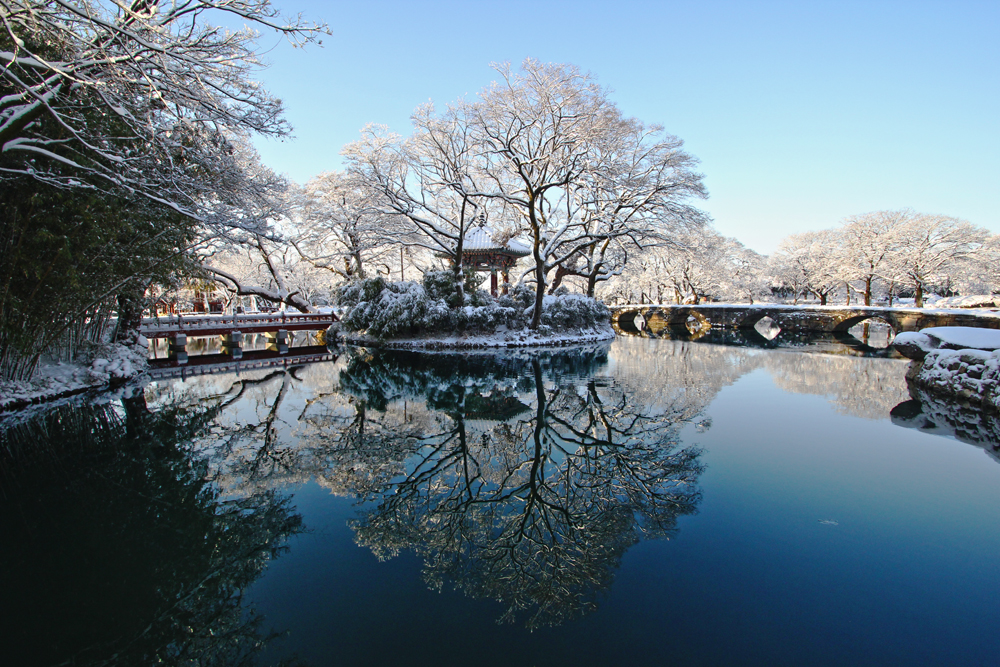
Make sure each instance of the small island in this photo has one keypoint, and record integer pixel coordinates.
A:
(448, 309)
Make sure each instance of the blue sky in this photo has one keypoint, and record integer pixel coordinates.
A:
(801, 113)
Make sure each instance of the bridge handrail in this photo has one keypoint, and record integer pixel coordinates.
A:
(195, 322)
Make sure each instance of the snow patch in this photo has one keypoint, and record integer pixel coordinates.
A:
(106, 365)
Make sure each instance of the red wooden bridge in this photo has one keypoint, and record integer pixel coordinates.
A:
(223, 325)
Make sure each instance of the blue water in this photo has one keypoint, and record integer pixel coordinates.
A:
(821, 533)
(822, 540)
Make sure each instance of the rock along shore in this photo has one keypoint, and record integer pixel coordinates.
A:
(962, 363)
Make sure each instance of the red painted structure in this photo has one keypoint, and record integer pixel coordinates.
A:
(221, 325)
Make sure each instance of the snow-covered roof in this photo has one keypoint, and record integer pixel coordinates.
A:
(480, 239)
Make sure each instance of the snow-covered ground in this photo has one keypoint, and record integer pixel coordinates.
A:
(963, 362)
(502, 338)
(107, 366)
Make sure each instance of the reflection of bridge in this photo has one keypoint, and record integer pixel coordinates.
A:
(206, 364)
(840, 342)
(829, 319)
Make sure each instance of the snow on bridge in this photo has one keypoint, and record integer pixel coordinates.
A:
(830, 319)
(222, 325)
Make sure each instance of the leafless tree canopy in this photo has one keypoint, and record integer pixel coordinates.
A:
(147, 96)
(543, 151)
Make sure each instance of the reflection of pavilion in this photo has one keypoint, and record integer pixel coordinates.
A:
(482, 252)
(484, 413)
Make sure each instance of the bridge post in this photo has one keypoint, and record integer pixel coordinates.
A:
(277, 341)
(177, 349)
(232, 344)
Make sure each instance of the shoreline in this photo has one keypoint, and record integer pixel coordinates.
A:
(58, 382)
(497, 341)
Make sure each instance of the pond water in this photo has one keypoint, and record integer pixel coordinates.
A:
(644, 501)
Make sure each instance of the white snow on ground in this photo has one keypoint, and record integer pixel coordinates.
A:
(965, 337)
(951, 338)
(975, 301)
(500, 339)
(108, 364)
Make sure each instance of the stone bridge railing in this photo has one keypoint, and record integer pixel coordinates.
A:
(829, 319)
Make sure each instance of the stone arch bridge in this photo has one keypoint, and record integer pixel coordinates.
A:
(829, 319)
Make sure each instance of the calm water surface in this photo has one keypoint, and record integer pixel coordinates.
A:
(641, 502)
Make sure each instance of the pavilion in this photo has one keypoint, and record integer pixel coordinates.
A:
(481, 252)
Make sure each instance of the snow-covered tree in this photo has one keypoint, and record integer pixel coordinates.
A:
(115, 102)
(810, 262)
(429, 180)
(933, 244)
(339, 227)
(871, 243)
(146, 96)
(577, 173)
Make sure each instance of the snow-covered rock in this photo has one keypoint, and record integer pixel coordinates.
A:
(916, 344)
(959, 362)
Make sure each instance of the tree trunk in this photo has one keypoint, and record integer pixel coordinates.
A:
(868, 290)
(536, 316)
(918, 299)
(130, 307)
(560, 274)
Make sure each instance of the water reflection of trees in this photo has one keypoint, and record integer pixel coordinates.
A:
(119, 550)
(857, 384)
(532, 506)
(866, 387)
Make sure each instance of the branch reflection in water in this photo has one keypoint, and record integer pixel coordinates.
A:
(120, 549)
(520, 478)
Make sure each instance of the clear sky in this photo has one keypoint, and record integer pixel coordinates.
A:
(801, 113)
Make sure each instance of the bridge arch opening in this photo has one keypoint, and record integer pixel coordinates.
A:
(630, 321)
(873, 331)
(751, 318)
(690, 319)
(767, 327)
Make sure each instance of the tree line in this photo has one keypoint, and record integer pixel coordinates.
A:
(873, 257)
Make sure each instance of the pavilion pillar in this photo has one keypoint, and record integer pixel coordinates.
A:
(506, 282)
(493, 281)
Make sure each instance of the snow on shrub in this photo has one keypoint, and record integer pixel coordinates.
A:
(573, 311)
(383, 309)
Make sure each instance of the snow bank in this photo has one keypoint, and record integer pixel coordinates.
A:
(974, 301)
(960, 362)
(544, 336)
(108, 365)
(957, 338)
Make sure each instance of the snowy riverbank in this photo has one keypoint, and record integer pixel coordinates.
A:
(112, 366)
(960, 362)
(502, 338)
(106, 367)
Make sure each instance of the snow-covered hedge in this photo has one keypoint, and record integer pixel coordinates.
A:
(573, 310)
(391, 309)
